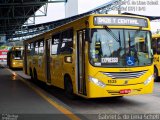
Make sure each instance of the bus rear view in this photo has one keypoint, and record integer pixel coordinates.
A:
(14, 57)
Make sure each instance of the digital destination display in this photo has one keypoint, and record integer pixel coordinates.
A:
(117, 21)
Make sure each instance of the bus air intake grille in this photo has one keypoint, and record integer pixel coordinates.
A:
(125, 75)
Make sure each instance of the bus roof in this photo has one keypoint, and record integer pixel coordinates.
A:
(156, 36)
(16, 48)
(134, 16)
(86, 17)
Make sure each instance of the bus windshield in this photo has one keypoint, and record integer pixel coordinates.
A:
(17, 55)
(120, 47)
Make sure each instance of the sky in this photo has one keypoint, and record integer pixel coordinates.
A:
(57, 10)
(144, 7)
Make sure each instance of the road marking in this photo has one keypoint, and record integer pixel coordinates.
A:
(64, 110)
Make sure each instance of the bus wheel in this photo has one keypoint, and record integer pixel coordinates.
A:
(35, 76)
(31, 74)
(155, 74)
(69, 89)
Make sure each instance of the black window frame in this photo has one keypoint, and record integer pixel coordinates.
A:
(36, 45)
(56, 36)
(39, 46)
(67, 34)
(32, 48)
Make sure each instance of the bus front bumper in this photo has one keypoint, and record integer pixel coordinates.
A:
(95, 91)
(17, 65)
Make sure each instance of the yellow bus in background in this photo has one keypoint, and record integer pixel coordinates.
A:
(94, 56)
(14, 57)
(156, 52)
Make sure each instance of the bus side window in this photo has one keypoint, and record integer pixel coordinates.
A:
(32, 49)
(67, 42)
(55, 43)
(41, 47)
(29, 49)
(36, 48)
(154, 46)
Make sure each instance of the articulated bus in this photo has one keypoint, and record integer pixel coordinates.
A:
(156, 52)
(94, 56)
(14, 57)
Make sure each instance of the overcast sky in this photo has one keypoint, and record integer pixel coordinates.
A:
(57, 10)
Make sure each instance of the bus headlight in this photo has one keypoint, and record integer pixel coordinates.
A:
(97, 82)
(149, 80)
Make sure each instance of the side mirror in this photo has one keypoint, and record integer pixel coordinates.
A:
(87, 35)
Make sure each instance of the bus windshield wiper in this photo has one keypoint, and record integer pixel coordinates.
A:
(113, 35)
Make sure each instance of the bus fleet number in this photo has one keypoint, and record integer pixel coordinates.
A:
(112, 81)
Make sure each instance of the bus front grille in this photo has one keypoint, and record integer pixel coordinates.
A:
(125, 75)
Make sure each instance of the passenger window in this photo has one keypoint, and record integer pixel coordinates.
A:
(67, 42)
(55, 43)
(28, 49)
(29, 46)
(41, 47)
(32, 49)
(36, 48)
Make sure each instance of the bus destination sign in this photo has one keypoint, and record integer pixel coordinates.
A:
(120, 21)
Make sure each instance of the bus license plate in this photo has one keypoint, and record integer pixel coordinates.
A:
(126, 91)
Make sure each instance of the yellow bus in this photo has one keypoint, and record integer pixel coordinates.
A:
(14, 57)
(94, 56)
(156, 52)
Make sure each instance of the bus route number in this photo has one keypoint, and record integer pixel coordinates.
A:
(112, 81)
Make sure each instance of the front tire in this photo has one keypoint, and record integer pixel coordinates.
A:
(156, 75)
(69, 89)
(31, 74)
(35, 76)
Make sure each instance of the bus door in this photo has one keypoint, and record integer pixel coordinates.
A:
(48, 59)
(25, 52)
(57, 61)
(81, 62)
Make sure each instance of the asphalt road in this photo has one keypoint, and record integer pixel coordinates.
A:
(94, 108)
(131, 107)
(22, 100)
